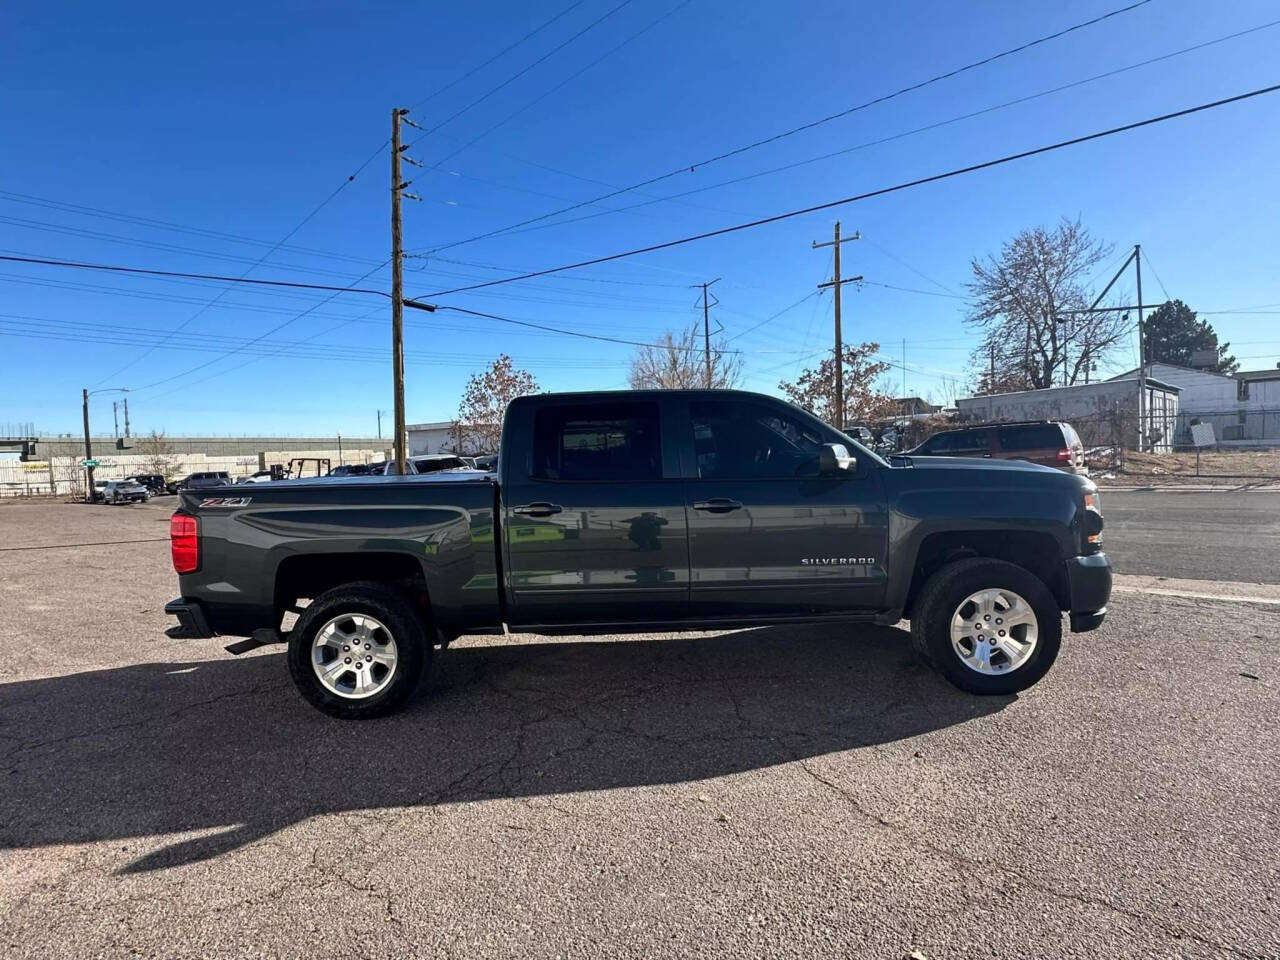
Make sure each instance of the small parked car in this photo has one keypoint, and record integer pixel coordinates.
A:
(438, 461)
(258, 476)
(203, 480)
(352, 470)
(154, 482)
(431, 463)
(1048, 442)
(124, 491)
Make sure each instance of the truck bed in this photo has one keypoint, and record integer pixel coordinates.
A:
(258, 540)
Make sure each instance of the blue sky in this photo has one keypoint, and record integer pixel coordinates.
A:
(234, 121)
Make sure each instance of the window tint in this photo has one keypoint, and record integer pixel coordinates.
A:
(737, 438)
(614, 443)
(1033, 436)
(963, 443)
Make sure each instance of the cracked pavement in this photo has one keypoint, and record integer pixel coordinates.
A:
(800, 791)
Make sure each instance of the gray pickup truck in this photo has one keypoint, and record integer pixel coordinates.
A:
(645, 511)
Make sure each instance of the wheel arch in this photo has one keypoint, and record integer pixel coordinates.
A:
(306, 576)
(1035, 551)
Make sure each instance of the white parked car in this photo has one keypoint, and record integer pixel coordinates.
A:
(124, 491)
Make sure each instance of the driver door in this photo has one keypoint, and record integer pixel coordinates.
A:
(767, 534)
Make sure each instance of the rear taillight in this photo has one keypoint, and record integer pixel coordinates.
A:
(184, 542)
(1064, 456)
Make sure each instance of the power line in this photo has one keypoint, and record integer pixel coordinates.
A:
(920, 181)
(276, 246)
(898, 260)
(1160, 282)
(276, 328)
(691, 167)
(501, 53)
(148, 271)
(796, 164)
(926, 293)
(808, 296)
(563, 83)
(520, 73)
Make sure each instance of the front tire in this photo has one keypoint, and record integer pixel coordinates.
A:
(358, 651)
(988, 626)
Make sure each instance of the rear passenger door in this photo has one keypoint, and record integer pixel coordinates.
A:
(595, 519)
(767, 534)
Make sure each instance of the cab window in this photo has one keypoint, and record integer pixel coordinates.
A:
(604, 443)
(738, 439)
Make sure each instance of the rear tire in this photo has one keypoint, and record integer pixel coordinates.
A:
(958, 616)
(378, 621)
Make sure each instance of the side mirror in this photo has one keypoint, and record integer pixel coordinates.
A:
(834, 458)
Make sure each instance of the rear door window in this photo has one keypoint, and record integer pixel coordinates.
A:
(1031, 436)
(602, 443)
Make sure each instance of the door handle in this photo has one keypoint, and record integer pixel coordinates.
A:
(540, 509)
(717, 505)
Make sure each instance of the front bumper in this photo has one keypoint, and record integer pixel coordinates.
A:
(191, 624)
(1089, 583)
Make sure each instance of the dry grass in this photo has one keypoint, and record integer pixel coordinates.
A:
(1216, 466)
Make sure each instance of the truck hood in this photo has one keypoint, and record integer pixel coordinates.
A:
(982, 473)
(908, 462)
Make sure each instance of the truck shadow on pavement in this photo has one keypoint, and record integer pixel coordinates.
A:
(227, 747)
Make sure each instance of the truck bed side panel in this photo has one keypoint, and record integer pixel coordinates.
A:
(447, 528)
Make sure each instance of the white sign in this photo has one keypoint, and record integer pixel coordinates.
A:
(1202, 435)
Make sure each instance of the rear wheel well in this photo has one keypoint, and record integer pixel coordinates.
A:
(306, 577)
(1036, 552)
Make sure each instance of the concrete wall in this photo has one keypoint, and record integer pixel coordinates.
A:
(73, 446)
(64, 476)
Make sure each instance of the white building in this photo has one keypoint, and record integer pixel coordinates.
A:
(1104, 413)
(427, 438)
(1244, 408)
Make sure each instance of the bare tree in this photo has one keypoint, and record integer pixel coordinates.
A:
(678, 361)
(484, 403)
(1023, 302)
(815, 390)
(160, 456)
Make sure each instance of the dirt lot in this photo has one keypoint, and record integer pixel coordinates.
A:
(1232, 468)
(802, 792)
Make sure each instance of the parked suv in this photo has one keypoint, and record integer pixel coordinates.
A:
(199, 481)
(1049, 442)
(154, 482)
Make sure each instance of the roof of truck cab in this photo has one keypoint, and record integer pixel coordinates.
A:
(653, 391)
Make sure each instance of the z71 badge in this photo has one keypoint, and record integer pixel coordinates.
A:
(226, 502)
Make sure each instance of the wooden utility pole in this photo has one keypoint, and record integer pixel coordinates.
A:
(125, 404)
(706, 328)
(835, 283)
(397, 292)
(88, 448)
(1142, 351)
(115, 416)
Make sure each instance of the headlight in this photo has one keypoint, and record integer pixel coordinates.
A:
(1092, 521)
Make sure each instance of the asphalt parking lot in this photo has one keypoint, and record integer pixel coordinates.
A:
(800, 791)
